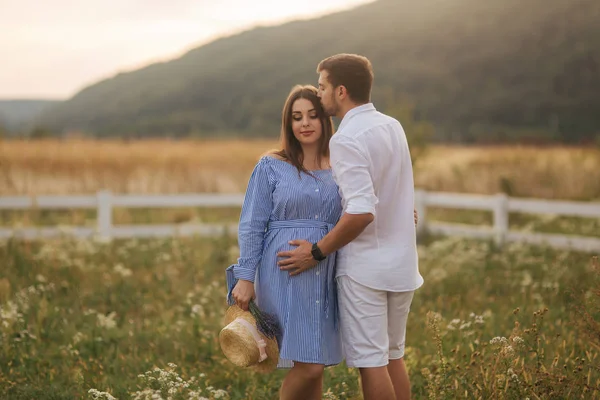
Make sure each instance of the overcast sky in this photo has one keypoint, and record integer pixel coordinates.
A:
(52, 49)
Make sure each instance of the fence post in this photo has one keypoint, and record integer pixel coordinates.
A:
(421, 207)
(500, 218)
(104, 215)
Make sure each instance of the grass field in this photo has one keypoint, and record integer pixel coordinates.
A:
(135, 318)
(81, 315)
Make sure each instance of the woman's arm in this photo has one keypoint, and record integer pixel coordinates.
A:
(256, 211)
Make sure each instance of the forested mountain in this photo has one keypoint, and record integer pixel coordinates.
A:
(492, 70)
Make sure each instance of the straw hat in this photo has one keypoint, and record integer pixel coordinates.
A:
(244, 345)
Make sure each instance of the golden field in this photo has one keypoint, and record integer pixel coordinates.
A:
(164, 166)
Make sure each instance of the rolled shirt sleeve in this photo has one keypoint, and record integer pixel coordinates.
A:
(351, 172)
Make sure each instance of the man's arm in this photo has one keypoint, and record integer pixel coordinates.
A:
(349, 227)
(351, 169)
(351, 166)
(346, 230)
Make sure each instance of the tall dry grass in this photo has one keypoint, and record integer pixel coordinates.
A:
(549, 172)
(149, 166)
(163, 166)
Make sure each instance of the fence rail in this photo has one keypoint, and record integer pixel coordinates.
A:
(104, 202)
(501, 207)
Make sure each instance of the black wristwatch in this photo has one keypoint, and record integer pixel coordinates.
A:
(317, 253)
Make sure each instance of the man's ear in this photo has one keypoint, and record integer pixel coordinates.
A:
(342, 92)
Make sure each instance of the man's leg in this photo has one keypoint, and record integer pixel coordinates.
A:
(398, 309)
(376, 384)
(303, 382)
(363, 322)
(399, 377)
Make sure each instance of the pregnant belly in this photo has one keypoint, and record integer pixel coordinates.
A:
(278, 240)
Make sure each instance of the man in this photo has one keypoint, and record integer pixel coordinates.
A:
(377, 264)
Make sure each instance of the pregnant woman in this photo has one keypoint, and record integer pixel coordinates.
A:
(291, 194)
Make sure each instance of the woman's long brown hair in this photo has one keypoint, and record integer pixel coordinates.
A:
(291, 150)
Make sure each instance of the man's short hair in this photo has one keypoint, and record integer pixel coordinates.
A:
(352, 71)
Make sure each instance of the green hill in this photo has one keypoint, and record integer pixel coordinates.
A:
(479, 70)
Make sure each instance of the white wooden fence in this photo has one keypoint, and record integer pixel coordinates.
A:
(105, 201)
(501, 205)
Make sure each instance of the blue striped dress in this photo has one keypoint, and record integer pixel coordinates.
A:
(280, 205)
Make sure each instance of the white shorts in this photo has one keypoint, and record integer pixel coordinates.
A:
(373, 323)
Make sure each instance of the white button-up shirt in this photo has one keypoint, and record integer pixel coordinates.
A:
(371, 165)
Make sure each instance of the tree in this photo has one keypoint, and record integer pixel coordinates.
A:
(418, 133)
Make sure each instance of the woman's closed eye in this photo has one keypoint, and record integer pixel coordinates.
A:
(299, 117)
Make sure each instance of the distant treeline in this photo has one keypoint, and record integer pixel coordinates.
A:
(477, 71)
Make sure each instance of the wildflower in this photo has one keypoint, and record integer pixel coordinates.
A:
(197, 310)
(499, 340)
(508, 351)
(527, 279)
(219, 393)
(98, 395)
(465, 326)
(500, 378)
(78, 337)
(106, 321)
(124, 272)
(518, 340)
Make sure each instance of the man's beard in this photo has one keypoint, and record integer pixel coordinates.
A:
(332, 110)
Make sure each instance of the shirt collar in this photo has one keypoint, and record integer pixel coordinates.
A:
(356, 110)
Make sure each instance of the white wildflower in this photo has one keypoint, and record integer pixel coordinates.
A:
(121, 270)
(98, 395)
(78, 337)
(518, 340)
(527, 279)
(499, 340)
(508, 350)
(219, 393)
(106, 321)
(465, 326)
(197, 310)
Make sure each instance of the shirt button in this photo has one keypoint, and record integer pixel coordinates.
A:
(316, 217)
(316, 190)
(317, 301)
(317, 273)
